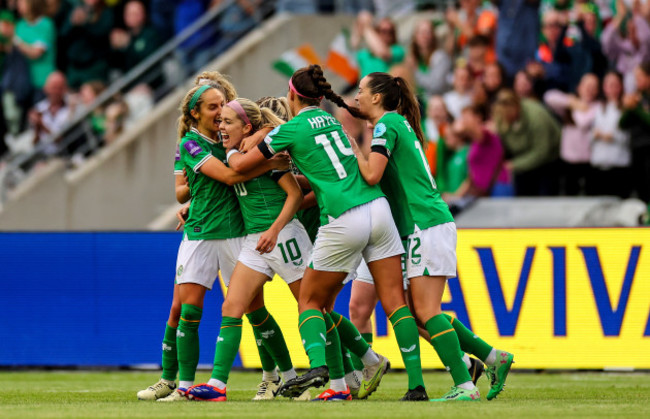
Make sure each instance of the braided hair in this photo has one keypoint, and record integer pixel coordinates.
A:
(313, 86)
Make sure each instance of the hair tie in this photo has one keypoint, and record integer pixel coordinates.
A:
(197, 95)
(293, 89)
(239, 109)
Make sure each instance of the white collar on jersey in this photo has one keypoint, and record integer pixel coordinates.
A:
(307, 109)
(196, 131)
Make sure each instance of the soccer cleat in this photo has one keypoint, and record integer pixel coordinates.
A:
(304, 397)
(457, 394)
(476, 369)
(178, 395)
(418, 394)
(330, 395)
(315, 377)
(498, 373)
(206, 393)
(372, 376)
(157, 391)
(267, 390)
(354, 384)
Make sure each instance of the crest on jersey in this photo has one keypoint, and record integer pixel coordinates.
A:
(380, 129)
(275, 130)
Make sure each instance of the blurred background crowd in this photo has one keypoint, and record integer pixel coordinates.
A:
(518, 97)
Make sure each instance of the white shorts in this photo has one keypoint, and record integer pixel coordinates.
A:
(366, 231)
(199, 261)
(432, 252)
(289, 257)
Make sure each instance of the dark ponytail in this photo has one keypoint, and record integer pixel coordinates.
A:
(313, 86)
(397, 95)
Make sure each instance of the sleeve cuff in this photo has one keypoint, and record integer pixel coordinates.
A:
(266, 150)
(197, 166)
(381, 150)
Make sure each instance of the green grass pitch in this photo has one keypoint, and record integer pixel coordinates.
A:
(111, 394)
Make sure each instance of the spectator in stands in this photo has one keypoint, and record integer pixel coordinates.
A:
(484, 160)
(636, 120)
(470, 21)
(485, 93)
(553, 51)
(429, 63)
(35, 38)
(87, 30)
(577, 113)
(435, 124)
(610, 146)
(527, 85)
(451, 167)
(136, 42)
(626, 43)
(531, 139)
(117, 113)
(16, 86)
(88, 93)
(50, 115)
(461, 94)
(238, 18)
(58, 11)
(382, 50)
(517, 34)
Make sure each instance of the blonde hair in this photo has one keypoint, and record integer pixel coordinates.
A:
(279, 106)
(258, 117)
(219, 81)
(186, 120)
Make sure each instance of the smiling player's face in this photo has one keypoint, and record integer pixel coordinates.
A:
(232, 128)
(209, 114)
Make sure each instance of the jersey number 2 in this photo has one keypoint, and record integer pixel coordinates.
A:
(327, 146)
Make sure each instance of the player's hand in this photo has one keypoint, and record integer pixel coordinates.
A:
(281, 161)
(181, 215)
(267, 241)
(248, 143)
(353, 142)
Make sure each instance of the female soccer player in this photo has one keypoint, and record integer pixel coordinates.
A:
(214, 229)
(268, 203)
(422, 216)
(355, 221)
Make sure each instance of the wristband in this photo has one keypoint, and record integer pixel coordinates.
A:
(230, 153)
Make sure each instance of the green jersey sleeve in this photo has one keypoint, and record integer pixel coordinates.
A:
(178, 164)
(384, 139)
(193, 155)
(279, 139)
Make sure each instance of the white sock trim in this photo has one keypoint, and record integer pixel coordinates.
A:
(492, 358)
(467, 385)
(270, 375)
(185, 384)
(288, 375)
(338, 384)
(466, 360)
(217, 383)
(370, 357)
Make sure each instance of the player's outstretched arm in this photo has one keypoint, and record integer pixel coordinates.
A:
(219, 171)
(372, 166)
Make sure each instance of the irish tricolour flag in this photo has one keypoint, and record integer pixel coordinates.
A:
(295, 59)
(342, 59)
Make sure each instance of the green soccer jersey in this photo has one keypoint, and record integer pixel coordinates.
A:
(214, 211)
(321, 151)
(407, 182)
(261, 201)
(178, 164)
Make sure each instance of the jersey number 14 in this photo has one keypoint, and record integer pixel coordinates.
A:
(334, 158)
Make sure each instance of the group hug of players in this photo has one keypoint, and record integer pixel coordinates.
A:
(365, 208)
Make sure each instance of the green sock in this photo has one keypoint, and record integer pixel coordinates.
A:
(333, 353)
(469, 342)
(311, 325)
(445, 341)
(169, 354)
(227, 347)
(187, 341)
(272, 338)
(350, 336)
(268, 364)
(356, 361)
(406, 333)
(348, 366)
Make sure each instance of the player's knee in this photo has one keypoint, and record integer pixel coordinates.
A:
(360, 310)
(174, 313)
(232, 309)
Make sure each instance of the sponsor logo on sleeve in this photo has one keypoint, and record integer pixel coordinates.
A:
(193, 148)
(378, 141)
(380, 129)
(274, 131)
(178, 154)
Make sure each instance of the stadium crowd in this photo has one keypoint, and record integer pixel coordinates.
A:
(518, 97)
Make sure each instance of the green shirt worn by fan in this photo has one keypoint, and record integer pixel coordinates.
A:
(214, 212)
